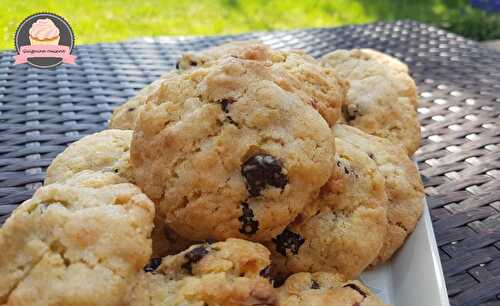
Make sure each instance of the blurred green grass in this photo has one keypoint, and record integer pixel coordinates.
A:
(110, 20)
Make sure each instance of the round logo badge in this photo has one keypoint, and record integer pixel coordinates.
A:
(44, 40)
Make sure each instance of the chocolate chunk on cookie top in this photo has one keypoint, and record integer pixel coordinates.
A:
(288, 241)
(249, 225)
(263, 170)
(193, 256)
(212, 138)
(223, 273)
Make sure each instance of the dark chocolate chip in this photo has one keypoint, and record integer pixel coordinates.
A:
(153, 264)
(210, 241)
(350, 113)
(177, 64)
(370, 155)
(194, 256)
(193, 63)
(261, 170)
(279, 280)
(266, 272)
(344, 167)
(249, 225)
(224, 104)
(355, 287)
(314, 284)
(131, 109)
(288, 240)
(230, 120)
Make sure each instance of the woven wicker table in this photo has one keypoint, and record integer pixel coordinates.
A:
(42, 111)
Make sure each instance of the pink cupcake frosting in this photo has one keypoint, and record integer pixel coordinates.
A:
(44, 29)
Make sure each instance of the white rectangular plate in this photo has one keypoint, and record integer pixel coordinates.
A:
(414, 276)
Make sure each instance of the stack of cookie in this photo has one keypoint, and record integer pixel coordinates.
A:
(244, 168)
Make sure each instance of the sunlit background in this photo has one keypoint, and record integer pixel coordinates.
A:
(108, 21)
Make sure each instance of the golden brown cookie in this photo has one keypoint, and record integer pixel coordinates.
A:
(78, 243)
(347, 230)
(106, 151)
(382, 97)
(322, 89)
(125, 115)
(225, 274)
(229, 151)
(318, 85)
(402, 184)
(324, 289)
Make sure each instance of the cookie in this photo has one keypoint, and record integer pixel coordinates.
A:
(125, 115)
(347, 230)
(227, 151)
(322, 89)
(402, 182)
(381, 97)
(61, 247)
(395, 65)
(166, 241)
(106, 151)
(325, 289)
(224, 273)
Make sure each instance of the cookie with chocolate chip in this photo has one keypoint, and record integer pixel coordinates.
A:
(381, 97)
(232, 272)
(402, 184)
(345, 229)
(81, 242)
(321, 88)
(230, 150)
(324, 289)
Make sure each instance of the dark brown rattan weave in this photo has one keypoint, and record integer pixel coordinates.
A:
(42, 111)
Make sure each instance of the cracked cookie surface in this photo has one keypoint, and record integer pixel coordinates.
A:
(125, 115)
(228, 151)
(109, 152)
(345, 230)
(402, 182)
(381, 97)
(106, 151)
(220, 274)
(61, 247)
(322, 89)
(324, 289)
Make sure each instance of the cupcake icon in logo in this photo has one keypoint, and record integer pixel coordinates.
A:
(44, 32)
(44, 40)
